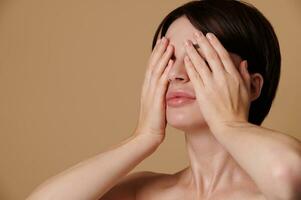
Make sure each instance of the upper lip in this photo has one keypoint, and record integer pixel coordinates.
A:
(179, 93)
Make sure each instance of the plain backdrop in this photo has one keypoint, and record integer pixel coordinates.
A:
(71, 74)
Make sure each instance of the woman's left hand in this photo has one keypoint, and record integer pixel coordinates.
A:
(221, 92)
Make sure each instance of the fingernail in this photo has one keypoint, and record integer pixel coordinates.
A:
(197, 34)
(210, 36)
(246, 63)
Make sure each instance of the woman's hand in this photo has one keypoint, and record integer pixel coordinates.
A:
(152, 117)
(222, 93)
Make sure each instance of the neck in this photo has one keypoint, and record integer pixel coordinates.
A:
(211, 166)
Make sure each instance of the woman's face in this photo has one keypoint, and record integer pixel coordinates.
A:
(187, 116)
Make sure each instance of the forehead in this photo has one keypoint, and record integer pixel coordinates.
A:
(180, 30)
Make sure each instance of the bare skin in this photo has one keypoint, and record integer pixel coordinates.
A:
(213, 173)
(172, 187)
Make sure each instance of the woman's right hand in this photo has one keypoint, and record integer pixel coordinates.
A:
(152, 117)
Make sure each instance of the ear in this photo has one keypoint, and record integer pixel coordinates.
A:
(256, 80)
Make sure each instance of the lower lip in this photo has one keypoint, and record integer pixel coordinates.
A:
(180, 101)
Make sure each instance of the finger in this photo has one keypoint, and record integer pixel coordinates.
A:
(197, 61)
(149, 68)
(194, 76)
(157, 72)
(158, 42)
(147, 76)
(164, 77)
(210, 54)
(223, 54)
(163, 83)
(163, 61)
(158, 52)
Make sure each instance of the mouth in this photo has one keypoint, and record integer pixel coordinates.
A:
(179, 101)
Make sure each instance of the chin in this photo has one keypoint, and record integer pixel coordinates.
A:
(186, 118)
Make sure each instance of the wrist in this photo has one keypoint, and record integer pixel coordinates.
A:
(148, 138)
(230, 125)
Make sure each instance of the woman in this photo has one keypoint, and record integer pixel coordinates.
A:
(217, 89)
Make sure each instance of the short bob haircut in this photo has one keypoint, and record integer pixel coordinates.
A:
(243, 30)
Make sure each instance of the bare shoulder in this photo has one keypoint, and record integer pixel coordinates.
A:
(127, 186)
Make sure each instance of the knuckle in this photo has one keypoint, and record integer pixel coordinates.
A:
(166, 56)
(159, 50)
(151, 62)
(159, 54)
(151, 65)
(156, 72)
(224, 55)
(162, 46)
(211, 55)
(222, 79)
(154, 84)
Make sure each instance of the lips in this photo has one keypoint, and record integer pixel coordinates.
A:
(178, 94)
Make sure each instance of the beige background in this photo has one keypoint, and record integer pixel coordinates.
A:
(70, 79)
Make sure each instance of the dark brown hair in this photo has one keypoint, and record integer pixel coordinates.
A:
(243, 30)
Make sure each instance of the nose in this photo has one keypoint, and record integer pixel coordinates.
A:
(178, 72)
